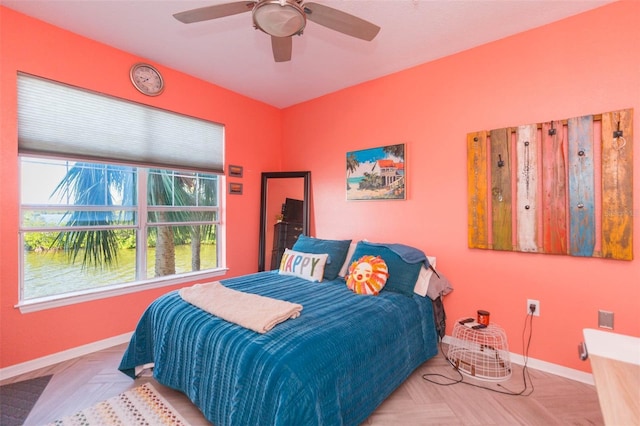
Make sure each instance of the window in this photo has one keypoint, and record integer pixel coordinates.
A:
(93, 223)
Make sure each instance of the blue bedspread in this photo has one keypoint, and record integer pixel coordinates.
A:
(333, 365)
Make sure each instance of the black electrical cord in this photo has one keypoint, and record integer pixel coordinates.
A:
(526, 391)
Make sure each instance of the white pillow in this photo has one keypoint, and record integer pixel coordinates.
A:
(304, 265)
(422, 283)
(347, 262)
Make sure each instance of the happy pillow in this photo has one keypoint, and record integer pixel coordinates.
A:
(303, 265)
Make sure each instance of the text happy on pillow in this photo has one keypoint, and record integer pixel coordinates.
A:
(290, 262)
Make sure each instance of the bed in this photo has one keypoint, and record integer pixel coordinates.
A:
(334, 364)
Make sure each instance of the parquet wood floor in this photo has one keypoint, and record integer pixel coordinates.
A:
(84, 381)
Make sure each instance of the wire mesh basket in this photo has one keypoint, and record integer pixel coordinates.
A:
(482, 354)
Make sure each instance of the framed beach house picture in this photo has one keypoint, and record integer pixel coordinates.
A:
(376, 173)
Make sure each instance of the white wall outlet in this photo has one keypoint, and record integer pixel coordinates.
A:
(530, 302)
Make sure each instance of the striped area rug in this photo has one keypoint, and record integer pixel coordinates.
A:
(142, 405)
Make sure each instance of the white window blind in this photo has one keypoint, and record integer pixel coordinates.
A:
(60, 120)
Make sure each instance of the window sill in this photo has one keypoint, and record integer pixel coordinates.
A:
(50, 302)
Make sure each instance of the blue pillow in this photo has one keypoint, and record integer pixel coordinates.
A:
(402, 275)
(336, 249)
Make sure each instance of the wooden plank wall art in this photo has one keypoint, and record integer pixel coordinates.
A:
(532, 188)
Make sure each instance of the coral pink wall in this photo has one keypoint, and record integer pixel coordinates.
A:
(31, 46)
(587, 64)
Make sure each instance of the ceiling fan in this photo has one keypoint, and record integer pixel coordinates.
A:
(282, 19)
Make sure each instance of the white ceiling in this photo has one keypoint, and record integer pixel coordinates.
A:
(229, 52)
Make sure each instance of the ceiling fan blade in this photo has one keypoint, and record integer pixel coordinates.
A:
(213, 12)
(341, 21)
(281, 47)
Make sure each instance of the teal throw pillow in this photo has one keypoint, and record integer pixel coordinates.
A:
(402, 275)
(336, 249)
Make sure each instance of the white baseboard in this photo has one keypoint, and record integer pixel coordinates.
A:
(46, 361)
(547, 367)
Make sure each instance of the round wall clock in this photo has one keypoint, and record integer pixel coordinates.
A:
(146, 79)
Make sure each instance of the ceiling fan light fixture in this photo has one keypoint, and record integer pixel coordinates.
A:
(279, 18)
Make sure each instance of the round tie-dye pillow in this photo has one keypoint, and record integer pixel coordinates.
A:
(367, 275)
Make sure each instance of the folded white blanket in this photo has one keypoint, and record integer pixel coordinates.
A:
(252, 311)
